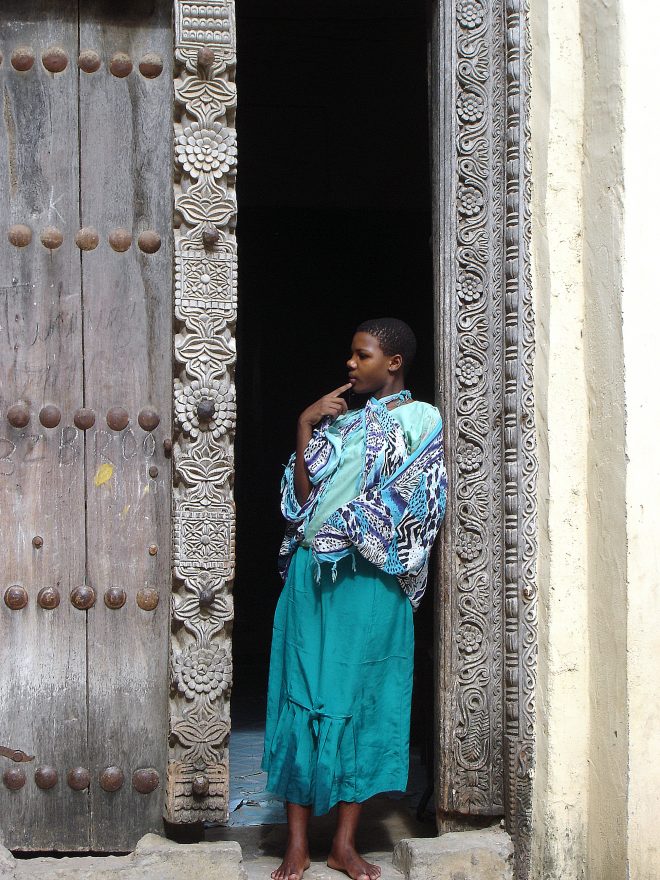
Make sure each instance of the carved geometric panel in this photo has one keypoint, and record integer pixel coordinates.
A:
(208, 24)
(193, 794)
(204, 538)
(206, 282)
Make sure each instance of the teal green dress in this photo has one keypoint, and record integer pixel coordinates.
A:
(340, 680)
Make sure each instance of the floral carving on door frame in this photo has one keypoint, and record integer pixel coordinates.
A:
(204, 409)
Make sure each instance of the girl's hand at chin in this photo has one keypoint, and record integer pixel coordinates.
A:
(329, 405)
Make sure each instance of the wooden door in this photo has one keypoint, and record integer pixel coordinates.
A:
(85, 404)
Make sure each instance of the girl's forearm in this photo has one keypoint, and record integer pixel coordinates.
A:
(329, 405)
(301, 481)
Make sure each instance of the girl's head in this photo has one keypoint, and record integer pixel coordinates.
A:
(381, 354)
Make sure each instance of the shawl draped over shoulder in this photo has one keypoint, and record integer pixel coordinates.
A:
(394, 518)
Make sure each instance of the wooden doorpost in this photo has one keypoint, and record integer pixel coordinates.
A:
(205, 411)
(486, 596)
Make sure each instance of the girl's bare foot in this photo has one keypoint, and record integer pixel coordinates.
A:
(294, 864)
(344, 857)
(296, 857)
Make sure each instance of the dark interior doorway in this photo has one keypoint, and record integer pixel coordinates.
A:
(334, 227)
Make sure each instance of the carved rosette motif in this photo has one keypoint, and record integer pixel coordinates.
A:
(205, 411)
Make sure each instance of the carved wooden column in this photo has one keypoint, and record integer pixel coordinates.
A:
(205, 411)
(469, 173)
(486, 613)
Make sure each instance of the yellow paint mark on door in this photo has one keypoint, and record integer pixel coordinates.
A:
(103, 474)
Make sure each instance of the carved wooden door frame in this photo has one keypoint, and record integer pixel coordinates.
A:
(486, 633)
(486, 625)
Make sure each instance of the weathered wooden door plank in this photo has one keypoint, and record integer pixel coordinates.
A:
(126, 161)
(42, 651)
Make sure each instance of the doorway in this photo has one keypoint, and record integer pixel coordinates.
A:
(335, 226)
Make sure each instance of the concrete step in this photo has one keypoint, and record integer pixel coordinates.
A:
(469, 855)
(484, 854)
(154, 858)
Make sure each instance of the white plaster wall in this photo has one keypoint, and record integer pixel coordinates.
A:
(561, 782)
(594, 137)
(602, 247)
(641, 323)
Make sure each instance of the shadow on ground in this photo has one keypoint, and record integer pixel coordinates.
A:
(385, 821)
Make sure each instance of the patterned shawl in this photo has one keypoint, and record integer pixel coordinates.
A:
(395, 517)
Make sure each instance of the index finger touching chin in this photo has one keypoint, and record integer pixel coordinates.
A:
(341, 389)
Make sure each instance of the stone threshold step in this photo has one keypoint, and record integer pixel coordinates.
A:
(486, 854)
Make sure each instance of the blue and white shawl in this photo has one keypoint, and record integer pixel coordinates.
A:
(395, 517)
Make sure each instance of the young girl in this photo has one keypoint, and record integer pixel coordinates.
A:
(363, 496)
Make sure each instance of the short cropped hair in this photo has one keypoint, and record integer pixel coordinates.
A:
(394, 336)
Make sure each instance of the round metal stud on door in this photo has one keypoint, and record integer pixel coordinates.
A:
(205, 57)
(51, 238)
(50, 416)
(200, 785)
(120, 65)
(151, 65)
(111, 779)
(45, 777)
(48, 598)
(37, 542)
(210, 236)
(205, 409)
(22, 58)
(147, 599)
(14, 778)
(83, 597)
(16, 597)
(87, 238)
(120, 240)
(146, 780)
(19, 235)
(89, 61)
(78, 778)
(148, 419)
(55, 59)
(114, 598)
(149, 241)
(117, 418)
(18, 415)
(84, 418)
(206, 598)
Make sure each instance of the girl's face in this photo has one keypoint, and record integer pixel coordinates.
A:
(369, 369)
